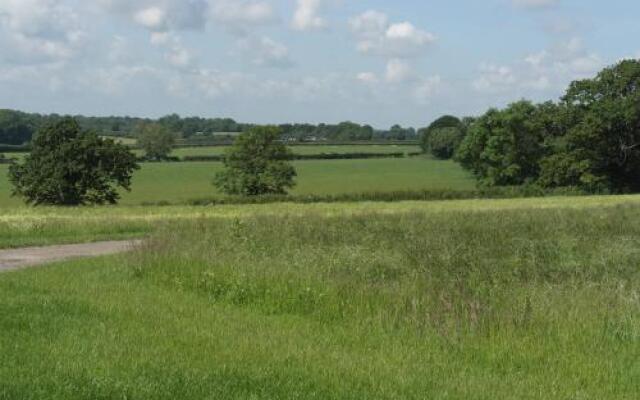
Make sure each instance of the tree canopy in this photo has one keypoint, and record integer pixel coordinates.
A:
(443, 136)
(69, 166)
(589, 140)
(156, 140)
(257, 164)
(504, 147)
(600, 148)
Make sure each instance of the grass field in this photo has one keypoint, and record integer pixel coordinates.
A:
(179, 182)
(306, 150)
(303, 150)
(485, 299)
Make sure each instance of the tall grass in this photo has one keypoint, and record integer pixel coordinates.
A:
(452, 273)
(453, 302)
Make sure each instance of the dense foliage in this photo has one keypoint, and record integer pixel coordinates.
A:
(70, 166)
(600, 148)
(442, 138)
(590, 140)
(257, 164)
(156, 141)
(504, 147)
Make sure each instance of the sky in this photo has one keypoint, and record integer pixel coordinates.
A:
(276, 61)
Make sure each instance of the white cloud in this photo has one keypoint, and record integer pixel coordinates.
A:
(241, 14)
(153, 18)
(306, 16)
(399, 71)
(265, 52)
(494, 77)
(551, 69)
(367, 78)
(176, 53)
(376, 36)
(427, 88)
(36, 31)
(162, 15)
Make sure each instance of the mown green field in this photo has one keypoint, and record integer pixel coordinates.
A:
(179, 182)
(484, 299)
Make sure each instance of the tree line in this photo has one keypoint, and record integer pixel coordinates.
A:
(589, 139)
(19, 128)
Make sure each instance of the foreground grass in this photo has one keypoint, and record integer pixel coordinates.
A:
(180, 182)
(535, 299)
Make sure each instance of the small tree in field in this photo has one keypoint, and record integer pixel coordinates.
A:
(156, 141)
(257, 164)
(68, 166)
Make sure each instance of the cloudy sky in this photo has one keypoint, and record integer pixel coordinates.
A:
(270, 61)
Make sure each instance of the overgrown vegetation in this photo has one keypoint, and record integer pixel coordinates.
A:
(532, 299)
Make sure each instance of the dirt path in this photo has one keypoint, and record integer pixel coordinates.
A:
(34, 256)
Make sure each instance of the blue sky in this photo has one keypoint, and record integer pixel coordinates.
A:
(273, 61)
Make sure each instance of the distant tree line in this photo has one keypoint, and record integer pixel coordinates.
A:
(589, 140)
(19, 128)
(344, 131)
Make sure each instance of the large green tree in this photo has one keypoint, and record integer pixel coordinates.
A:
(504, 147)
(257, 164)
(442, 137)
(443, 142)
(156, 140)
(69, 166)
(600, 149)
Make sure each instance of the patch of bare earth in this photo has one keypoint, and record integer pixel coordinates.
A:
(35, 256)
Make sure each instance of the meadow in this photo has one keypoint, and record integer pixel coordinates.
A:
(480, 299)
(180, 182)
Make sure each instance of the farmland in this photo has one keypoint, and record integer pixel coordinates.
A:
(179, 182)
(532, 298)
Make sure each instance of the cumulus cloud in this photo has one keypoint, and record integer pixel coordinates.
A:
(377, 36)
(39, 31)
(162, 15)
(550, 69)
(239, 14)
(399, 71)
(265, 52)
(307, 15)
